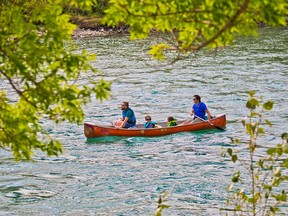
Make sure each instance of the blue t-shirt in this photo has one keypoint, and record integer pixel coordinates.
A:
(199, 110)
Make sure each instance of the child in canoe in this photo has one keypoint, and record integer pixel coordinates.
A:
(149, 123)
(171, 121)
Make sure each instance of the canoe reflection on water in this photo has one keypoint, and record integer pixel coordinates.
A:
(104, 139)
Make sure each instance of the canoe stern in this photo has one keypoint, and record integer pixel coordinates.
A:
(89, 131)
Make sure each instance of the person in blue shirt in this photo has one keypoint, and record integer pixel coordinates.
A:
(149, 123)
(199, 110)
(128, 117)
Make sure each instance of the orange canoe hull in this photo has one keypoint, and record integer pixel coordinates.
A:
(92, 130)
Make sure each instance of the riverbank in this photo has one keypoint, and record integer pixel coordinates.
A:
(102, 32)
(92, 27)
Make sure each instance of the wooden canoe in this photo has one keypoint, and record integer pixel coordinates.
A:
(92, 130)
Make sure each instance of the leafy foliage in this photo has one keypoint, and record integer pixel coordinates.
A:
(93, 7)
(193, 25)
(264, 195)
(39, 62)
(161, 205)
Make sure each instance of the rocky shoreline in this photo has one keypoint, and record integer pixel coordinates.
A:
(92, 27)
(102, 32)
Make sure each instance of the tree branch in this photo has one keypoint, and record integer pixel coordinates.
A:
(228, 25)
(18, 91)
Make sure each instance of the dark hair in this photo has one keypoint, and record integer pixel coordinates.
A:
(170, 118)
(126, 103)
(148, 117)
(198, 97)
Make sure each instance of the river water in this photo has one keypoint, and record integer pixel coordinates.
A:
(124, 176)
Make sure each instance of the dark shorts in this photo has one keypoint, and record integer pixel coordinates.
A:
(129, 125)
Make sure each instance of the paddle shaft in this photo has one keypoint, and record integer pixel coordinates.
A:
(210, 123)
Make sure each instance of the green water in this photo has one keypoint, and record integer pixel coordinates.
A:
(124, 176)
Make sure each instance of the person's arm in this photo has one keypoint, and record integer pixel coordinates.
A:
(124, 122)
(188, 121)
(192, 112)
(156, 125)
(208, 114)
(118, 122)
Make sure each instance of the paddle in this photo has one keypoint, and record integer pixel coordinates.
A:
(210, 123)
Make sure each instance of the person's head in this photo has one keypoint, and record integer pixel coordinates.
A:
(148, 118)
(196, 99)
(170, 118)
(124, 105)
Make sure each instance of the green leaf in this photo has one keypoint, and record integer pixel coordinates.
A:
(251, 93)
(279, 151)
(261, 130)
(284, 136)
(236, 177)
(277, 172)
(234, 158)
(251, 200)
(157, 51)
(260, 163)
(285, 149)
(286, 163)
(268, 122)
(282, 197)
(271, 151)
(163, 206)
(254, 114)
(252, 103)
(230, 151)
(268, 105)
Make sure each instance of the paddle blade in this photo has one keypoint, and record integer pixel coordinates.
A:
(219, 128)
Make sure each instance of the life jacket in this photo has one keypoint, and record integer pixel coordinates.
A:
(150, 124)
(132, 119)
(172, 123)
